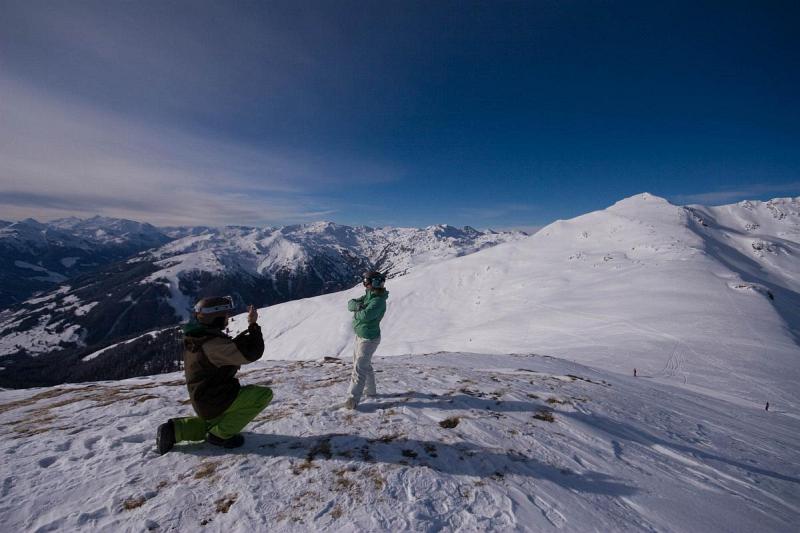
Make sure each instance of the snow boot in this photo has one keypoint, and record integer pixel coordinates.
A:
(165, 437)
(232, 442)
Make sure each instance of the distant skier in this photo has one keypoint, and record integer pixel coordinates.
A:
(211, 360)
(767, 407)
(634, 372)
(367, 314)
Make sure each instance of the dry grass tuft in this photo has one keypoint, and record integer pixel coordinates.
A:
(133, 503)
(206, 470)
(545, 415)
(224, 503)
(386, 439)
(143, 398)
(450, 423)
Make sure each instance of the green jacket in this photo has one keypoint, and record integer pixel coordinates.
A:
(368, 312)
(211, 360)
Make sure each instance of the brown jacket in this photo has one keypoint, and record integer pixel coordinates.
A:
(211, 360)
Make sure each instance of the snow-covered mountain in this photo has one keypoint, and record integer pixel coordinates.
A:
(506, 398)
(156, 288)
(303, 260)
(38, 257)
(108, 230)
(709, 297)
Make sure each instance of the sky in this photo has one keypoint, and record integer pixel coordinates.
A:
(491, 114)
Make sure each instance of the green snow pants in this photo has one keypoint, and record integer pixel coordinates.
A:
(251, 400)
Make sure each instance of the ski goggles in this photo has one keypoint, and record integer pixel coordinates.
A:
(376, 283)
(226, 306)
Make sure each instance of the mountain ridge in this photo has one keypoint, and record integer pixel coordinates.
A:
(691, 302)
(156, 288)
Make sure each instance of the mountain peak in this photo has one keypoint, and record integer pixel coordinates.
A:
(643, 198)
(32, 222)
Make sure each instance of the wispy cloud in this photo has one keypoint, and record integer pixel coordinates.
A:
(62, 157)
(733, 195)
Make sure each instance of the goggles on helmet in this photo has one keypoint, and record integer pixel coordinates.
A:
(226, 306)
(375, 281)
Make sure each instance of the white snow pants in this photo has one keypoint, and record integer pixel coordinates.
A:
(363, 375)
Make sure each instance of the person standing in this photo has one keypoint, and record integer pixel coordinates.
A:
(367, 314)
(211, 360)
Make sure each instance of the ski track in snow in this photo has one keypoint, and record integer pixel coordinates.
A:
(621, 454)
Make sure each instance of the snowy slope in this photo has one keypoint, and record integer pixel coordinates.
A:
(620, 454)
(158, 287)
(36, 256)
(110, 231)
(641, 285)
(320, 253)
(485, 440)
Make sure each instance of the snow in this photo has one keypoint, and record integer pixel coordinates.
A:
(83, 309)
(289, 249)
(638, 285)
(69, 262)
(108, 230)
(621, 454)
(40, 338)
(170, 274)
(47, 334)
(50, 276)
(151, 334)
(472, 430)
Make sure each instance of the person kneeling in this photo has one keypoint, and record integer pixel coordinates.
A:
(211, 360)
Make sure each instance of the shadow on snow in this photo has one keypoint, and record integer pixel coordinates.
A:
(464, 459)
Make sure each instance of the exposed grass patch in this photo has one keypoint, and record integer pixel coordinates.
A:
(206, 470)
(322, 447)
(544, 415)
(272, 415)
(40, 396)
(450, 423)
(224, 503)
(133, 503)
(366, 454)
(143, 398)
(430, 449)
(341, 481)
(377, 479)
(587, 380)
(323, 383)
(386, 439)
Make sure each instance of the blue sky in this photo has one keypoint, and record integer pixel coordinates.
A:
(491, 114)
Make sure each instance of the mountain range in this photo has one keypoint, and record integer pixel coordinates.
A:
(507, 398)
(708, 297)
(120, 286)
